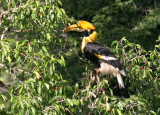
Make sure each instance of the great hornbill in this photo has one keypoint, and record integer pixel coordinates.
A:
(98, 54)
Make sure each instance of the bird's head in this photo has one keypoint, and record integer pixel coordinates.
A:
(87, 28)
(80, 27)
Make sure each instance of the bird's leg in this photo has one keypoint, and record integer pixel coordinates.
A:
(92, 76)
(98, 79)
(97, 74)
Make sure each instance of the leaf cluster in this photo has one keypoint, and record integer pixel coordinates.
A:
(42, 71)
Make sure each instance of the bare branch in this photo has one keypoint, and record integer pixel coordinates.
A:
(15, 77)
(129, 60)
(141, 9)
(9, 10)
(68, 111)
(3, 87)
(4, 32)
(3, 66)
(155, 4)
(20, 70)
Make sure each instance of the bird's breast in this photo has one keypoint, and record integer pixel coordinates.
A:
(108, 69)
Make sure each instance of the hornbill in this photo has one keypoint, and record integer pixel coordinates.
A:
(98, 54)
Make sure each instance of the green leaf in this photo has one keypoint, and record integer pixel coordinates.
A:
(114, 42)
(21, 26)
(22, 105)
(44, 49)
(37, 3)
(129, 112)
(18, 59)
(36, 102)
(129, 44)
(33, 15)
(63, 61)
(47, 85)
(11, 90)
(77, 86)
(59, 2)
(111, 91)
(48, 36)
(141, 103)
(53, 67)
(57, 107)
(4, 51)
(107, 106)
(159, 37)
(138, 46)
(9, 59)
(22, 15)
(119, 112)
(33, 110)
(52, 17)
(75, 101)
(37, 74)
(154, 113)
(23, 43)
(3, 97)
(36, 63)
(30, 80)
(17, 44)
(20, 89)
(29, 48)
(39, 89)
(50, 69)
(70, 102)
(157, 46)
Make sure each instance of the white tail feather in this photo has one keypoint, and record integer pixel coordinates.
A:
(123, 72)
(120, 81)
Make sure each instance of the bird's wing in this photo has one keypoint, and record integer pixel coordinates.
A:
(97, 52)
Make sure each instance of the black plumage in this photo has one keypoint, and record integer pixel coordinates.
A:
(93, 48)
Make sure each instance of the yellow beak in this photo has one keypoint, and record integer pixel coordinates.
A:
(74, 27)
(80, 27)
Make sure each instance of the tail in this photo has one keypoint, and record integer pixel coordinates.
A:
(121, 86)
(120, 81)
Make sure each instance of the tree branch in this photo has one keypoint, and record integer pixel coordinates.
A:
(4, 32)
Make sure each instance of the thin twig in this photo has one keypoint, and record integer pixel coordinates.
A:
(155, 4)
(141, 9)
(14, 75)
(124, 50)
(68, 111)
(125, 16)
(134, 58)
(46, 108)
(4, 32)
(3, 66)
(3, 89)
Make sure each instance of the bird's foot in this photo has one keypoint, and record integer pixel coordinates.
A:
(97, 74)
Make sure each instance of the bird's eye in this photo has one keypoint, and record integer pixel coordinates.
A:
(89, 30)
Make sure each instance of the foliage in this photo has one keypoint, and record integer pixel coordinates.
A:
(83, 9)
(130, 20)
(42, 71)
(114, 19)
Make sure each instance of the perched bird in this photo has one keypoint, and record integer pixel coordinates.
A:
(98, 54)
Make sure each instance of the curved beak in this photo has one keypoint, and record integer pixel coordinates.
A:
(74, 27)
(80, 27)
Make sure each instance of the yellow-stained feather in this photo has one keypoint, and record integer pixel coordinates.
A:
(86, 25)
(98, 56)
(93, 36)
(90, 38)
